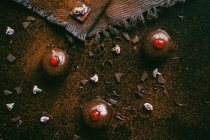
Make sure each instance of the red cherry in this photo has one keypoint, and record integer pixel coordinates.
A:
(159, 43)
(95, 115)
(54, 61)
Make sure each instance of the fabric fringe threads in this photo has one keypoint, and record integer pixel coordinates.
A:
(110, 23)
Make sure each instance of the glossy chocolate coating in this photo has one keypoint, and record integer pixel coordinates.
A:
(153, 51)
(61, 67)
(106, 113)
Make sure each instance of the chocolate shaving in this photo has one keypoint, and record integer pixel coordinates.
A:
(16, 119)
(161, 80)
(118, 77)
(26, 24)
(18, 90)
(76, 137)
(120, 116)
(116, 40)
(174, 58)
(207, 102)
(30, 18)
(115, 94)
(84, 82)
(91, 54)
(135, 40)
(107, 82)
(7, 92)
(144, 76)
(11, 58)
(126, 35)
(112, 101)
(179, 104)
(107, 63)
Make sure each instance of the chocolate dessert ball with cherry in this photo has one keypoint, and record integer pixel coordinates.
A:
(55, 62)
(97, 113)
(158, 44)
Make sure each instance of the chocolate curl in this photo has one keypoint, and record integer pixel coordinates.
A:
(97, 39)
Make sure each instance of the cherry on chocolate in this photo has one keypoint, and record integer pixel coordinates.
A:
(54, 61)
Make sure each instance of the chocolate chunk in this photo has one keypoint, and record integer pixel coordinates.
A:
(76, 137)
(135, 40)
(126, 35)
(19, 123)
(144, 76)
(11, 58)
(18, 90)
(30, 18)
(26, 24)
(16, 119)
(118, 77)
(84, 82)
(91, 54)
(7, 92)
(139, 87)
(112, 101)
(161, 80)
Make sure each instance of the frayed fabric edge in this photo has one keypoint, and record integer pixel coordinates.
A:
(129, 23)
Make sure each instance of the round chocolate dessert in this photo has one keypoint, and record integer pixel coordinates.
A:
(97, 113)
(158, 44)
(55, 62)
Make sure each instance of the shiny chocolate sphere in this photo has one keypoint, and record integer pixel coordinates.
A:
(158, 44)
(97, 113)
(55, 62)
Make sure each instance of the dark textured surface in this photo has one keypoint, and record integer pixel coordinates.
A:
(187, 75)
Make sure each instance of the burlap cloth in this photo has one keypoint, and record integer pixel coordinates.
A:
(104, 17)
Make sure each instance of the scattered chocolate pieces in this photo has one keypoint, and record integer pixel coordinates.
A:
(118, 77)
(18, 90)
(30, 18)
(84, 82)
(179, 16)
(135, 40)
(76, 137)
(36, 89)
(120, 116)
(161, 80)
(91, 54)
(26, 24)
(11, 58)
(112, 101)
(17, 120)
(44, 119)
(207, 102)
(10, 106)
(179, 104)
(94, 78)
(148, 106)
(126, 35)
(7, 92)
(144, 76)
(107, 63)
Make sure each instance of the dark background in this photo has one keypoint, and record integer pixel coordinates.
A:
(187, 79)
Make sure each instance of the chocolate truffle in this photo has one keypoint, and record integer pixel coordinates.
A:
(158, 44)
(97, 113)
(55, 62)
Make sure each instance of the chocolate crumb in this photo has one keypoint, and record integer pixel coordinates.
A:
(144, 76)
(84, 82)
(135, 40)
(7, 92)
(112, 101)
(161, 80)
(18, 90)
(118, 77)
(11, 58)
(26, 24)
(90, 54)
